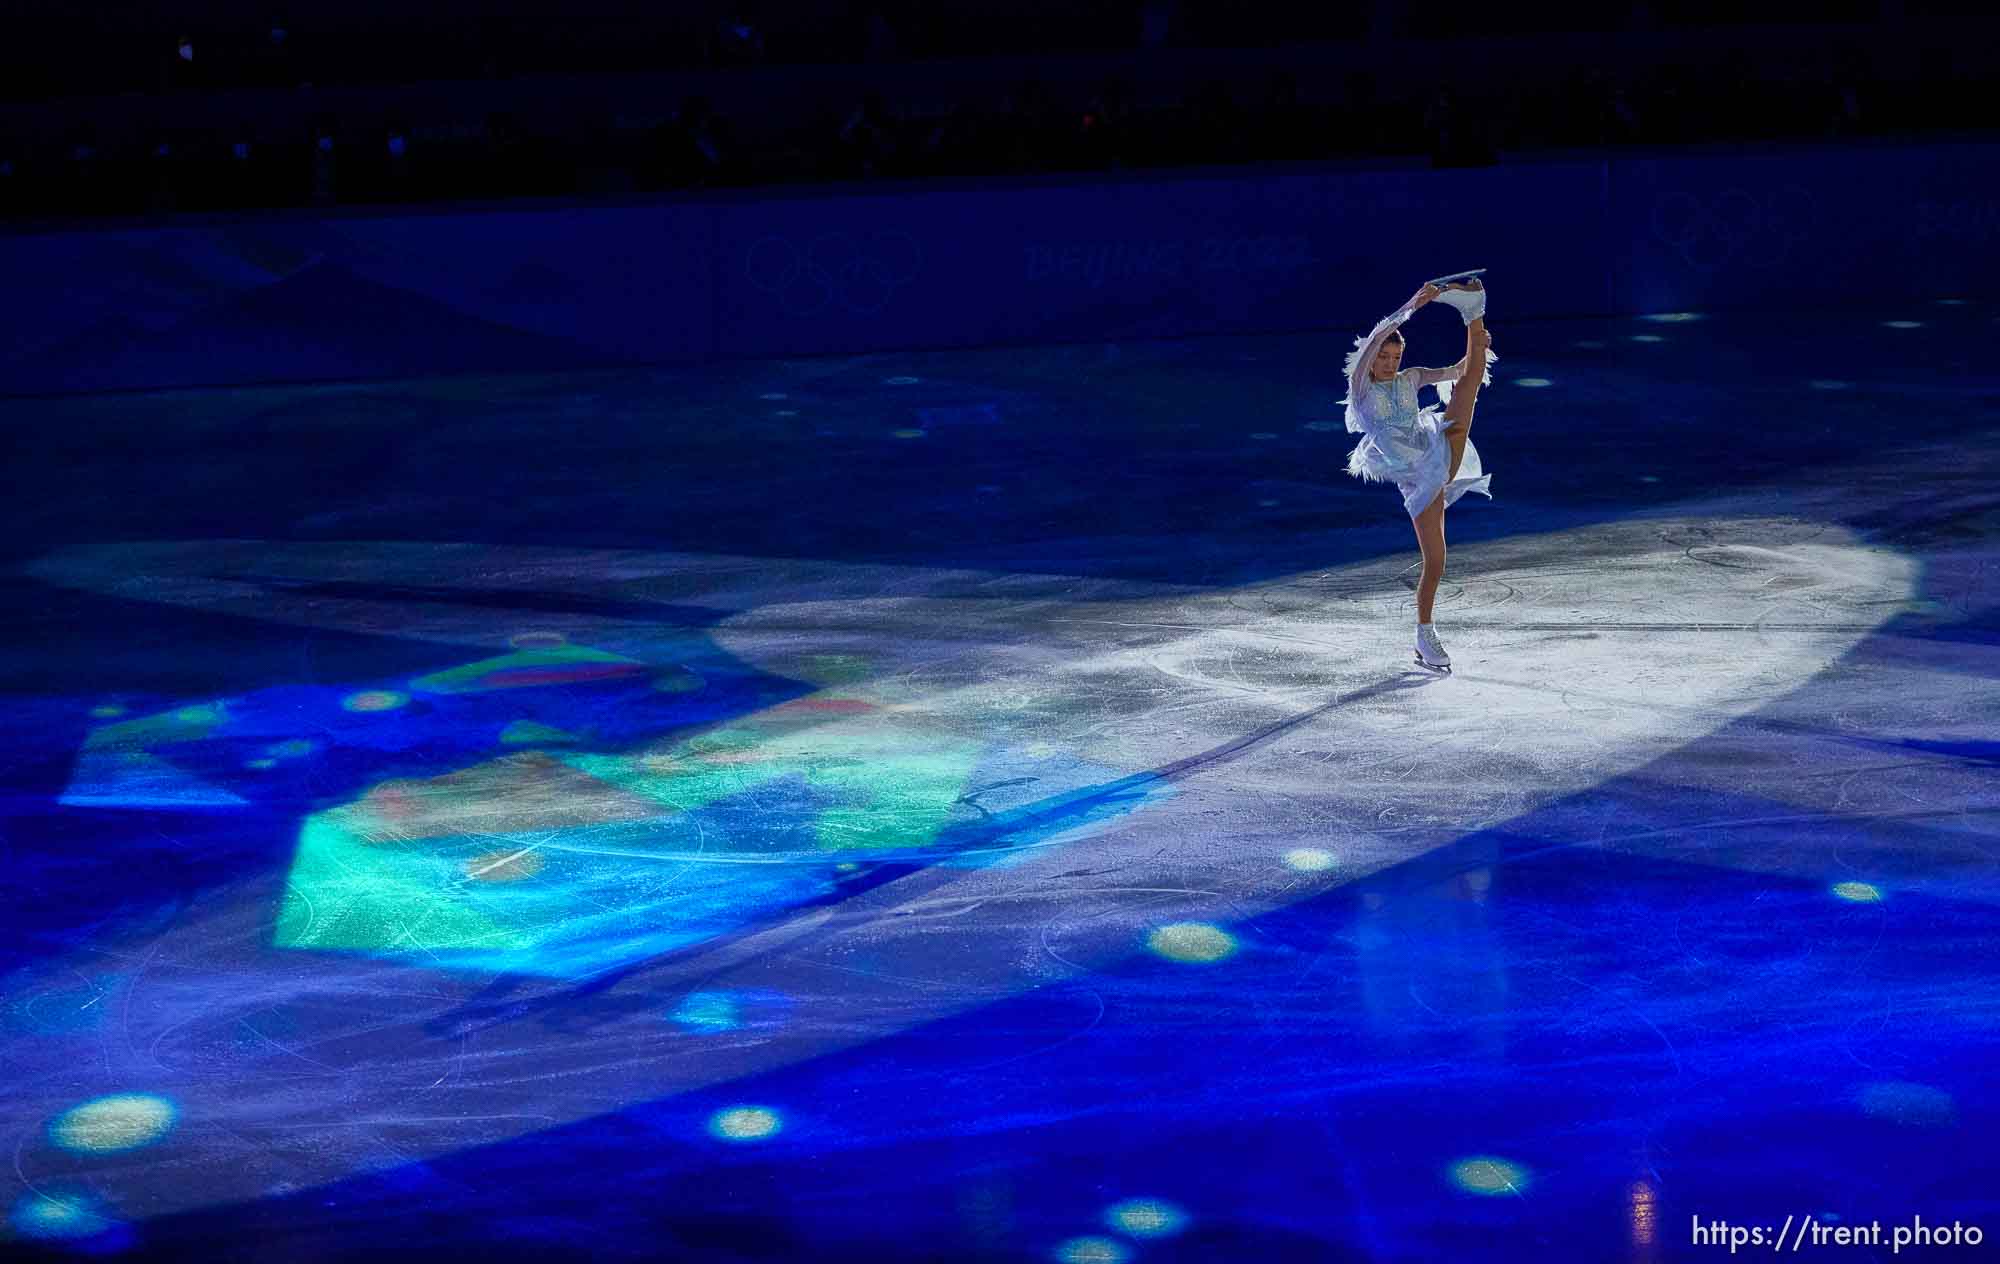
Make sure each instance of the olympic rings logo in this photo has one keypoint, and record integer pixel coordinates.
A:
(1736, 226)
(838, 269)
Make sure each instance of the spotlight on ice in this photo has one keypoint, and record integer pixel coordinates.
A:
(59, 1215)
(1673, 318)
(1858, 892)
(107, 1125)
(1092, 1251)
(1489, 1176)
(1533, 381)
(1903, 324)
(1146, 1218)
(375, 700)
(745, 1123)
(1196, 943)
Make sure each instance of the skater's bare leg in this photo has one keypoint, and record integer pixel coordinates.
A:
(1458, 413)
(1430, 538)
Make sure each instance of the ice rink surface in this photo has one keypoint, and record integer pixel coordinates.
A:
(980, 806)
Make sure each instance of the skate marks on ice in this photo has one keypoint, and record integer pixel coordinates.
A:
(1031, 777)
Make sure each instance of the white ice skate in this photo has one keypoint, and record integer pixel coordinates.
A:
(1470, 301)
(1430, 653)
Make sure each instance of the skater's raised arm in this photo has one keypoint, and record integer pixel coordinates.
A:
(1363, 355)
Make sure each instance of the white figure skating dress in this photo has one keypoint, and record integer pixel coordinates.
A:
(1400, 442)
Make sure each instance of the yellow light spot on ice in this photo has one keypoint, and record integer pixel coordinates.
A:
(109, 1124)
(1533, 381)
(1858, 892)
(1645, 1213)
(110, 711)
(909, 434)
(1904, 324)
(1193, 942)
(1310, 859)
(744, 1123)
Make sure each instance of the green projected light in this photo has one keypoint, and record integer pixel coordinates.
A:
(563, 865)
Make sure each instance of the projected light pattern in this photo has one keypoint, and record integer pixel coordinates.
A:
(746, 1123)
(1192, 942)
(531, 668)
(1913, 1105)
(1489, 1176)
(1146, 1218)
(372, 700)
(712, 1013)
(565, 864)
(548, 694)
(548, 857)
(109, 1124)
(1092, 1250)
(64, 1214)
(1310, 859)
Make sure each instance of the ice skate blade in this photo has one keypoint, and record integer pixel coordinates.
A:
(1449, 277)
(1434, 669)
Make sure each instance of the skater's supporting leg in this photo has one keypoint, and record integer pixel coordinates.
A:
(1430, 538)
(1458, 413)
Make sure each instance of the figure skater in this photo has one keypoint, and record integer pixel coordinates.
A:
(1432, 464)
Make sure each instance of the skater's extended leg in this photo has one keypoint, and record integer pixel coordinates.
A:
(1458, 413)
(1430, 538)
